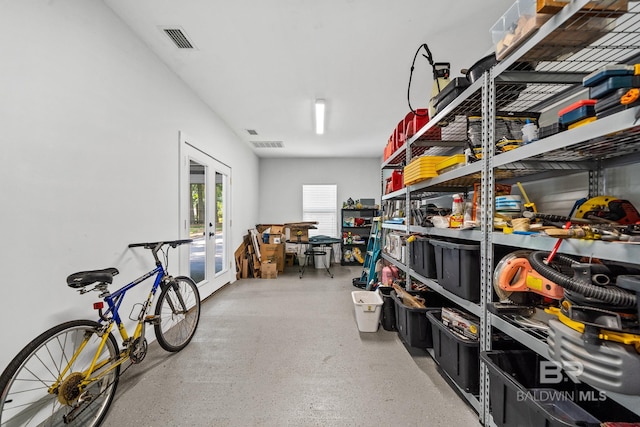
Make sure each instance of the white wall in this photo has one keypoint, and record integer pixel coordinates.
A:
(281, 182)
(89, 163)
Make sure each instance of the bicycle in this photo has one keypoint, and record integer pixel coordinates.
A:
(69, 374)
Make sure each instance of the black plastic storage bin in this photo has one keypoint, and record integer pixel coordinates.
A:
(458, 357)
(519, 398)
(388, 316)
(411, 323)
(458, 268)
(423, 257)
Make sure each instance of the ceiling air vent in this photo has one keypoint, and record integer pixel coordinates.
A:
(267, 144)
(178, 37)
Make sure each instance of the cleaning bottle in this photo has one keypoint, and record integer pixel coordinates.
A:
(529, 132)
(457, 211)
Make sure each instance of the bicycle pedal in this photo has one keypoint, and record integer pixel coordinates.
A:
(152, 319)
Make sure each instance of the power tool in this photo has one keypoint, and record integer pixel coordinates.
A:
(608, 208)
(514, 274)
(597, 325)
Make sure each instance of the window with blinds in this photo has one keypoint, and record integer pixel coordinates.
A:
(319, 203)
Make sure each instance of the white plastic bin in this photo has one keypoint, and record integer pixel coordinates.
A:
(368, 307)
(322, 261)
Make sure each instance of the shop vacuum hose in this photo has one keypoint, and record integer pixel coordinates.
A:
(614, 296)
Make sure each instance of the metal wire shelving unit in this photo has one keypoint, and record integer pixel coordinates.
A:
(545, 71)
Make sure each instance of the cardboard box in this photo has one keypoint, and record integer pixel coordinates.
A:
(245, 268)
(609, 9)
(299, 234)
(273, 252)
(275, 239)
(289, 258)
(271, 233)
(274, 228)
(299, 231)
(268, 270)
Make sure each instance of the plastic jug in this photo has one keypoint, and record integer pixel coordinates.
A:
(529, 132)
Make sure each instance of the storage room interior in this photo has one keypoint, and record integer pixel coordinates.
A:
(461, 235)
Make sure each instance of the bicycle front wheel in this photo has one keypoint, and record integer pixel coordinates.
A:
(178, 313)
(37, 391)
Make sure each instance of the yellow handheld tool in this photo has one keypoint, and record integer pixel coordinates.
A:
(528, 205)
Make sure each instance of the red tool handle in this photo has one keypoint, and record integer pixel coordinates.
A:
(557, 245)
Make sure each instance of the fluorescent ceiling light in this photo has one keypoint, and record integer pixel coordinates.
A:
(319, 116)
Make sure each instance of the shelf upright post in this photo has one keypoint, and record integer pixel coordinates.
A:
(486, 221)
(596, 181)
(407, 222)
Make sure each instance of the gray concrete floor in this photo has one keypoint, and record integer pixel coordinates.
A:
(287, 352)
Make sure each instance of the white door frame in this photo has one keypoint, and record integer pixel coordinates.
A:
(191, 150)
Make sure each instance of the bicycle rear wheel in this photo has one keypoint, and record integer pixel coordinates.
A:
(178, 310)
(27, 397)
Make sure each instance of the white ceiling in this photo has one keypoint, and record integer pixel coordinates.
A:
(260, 64)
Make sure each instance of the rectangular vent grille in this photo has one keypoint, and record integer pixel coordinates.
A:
(252, 132)
(178, 37)
(267, 144)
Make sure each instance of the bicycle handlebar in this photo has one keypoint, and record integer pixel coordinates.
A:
(153, 245)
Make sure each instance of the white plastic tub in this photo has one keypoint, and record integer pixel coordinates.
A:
(368, 307)
(322, 261)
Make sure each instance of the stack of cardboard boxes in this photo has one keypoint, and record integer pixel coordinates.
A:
(271, 241)
(272, 246)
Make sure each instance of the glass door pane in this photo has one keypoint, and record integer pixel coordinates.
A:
(219, 223)
(197, 221)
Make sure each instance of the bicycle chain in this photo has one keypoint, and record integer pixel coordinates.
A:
(64, 417)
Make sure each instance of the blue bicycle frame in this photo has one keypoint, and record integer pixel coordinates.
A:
(114, 300)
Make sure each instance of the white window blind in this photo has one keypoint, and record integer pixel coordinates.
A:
(319, 203)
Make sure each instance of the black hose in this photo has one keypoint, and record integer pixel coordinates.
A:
(413, 64)
(614, 296)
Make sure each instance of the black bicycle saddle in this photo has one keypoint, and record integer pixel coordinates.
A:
(85, 278)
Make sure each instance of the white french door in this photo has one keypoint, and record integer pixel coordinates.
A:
(205, 216)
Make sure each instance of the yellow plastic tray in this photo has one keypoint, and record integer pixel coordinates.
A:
(421, 168)
(450, 162)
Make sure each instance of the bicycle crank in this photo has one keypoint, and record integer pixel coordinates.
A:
(138, 350)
